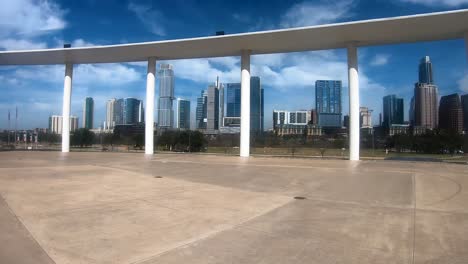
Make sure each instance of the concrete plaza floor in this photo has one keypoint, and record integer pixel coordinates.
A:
(128, 208)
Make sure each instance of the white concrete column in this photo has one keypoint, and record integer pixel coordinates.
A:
(67, 89)
(245, 104)
(149, 112)
(353, 80)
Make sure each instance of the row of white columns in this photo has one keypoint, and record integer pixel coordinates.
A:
(353, 80)
(245, 105)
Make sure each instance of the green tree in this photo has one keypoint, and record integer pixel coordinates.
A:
(82, 137)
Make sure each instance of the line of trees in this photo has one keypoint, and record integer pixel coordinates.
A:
(432, 142)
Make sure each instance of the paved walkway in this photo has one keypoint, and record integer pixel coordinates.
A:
(128, 208)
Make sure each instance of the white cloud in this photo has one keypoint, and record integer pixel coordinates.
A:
(448, 3)
(21, 44)
(23, 21)
(29, 17)
(81, 43)
(152, 18)
(84, 74)
(312, 13)
(463, 83)
(380, 60)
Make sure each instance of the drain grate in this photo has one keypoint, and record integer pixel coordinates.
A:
(300, 198)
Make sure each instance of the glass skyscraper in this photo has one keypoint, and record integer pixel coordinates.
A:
(166, 96)
(393, 111)
(183, 114)
(328, 103)
(451, 113)
(256, 106)
(200, 115)
(88, 113)
(233, 99)
(131, 111)
(425, 71)
(233, 102)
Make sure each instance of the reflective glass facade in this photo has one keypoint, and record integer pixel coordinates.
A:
(393, 111)
(328, 103)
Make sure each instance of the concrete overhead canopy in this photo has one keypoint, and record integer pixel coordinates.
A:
(407, 29)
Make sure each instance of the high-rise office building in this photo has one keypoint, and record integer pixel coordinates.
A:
(183, 114)
(166, 96)
(393, 111)
(221, 101)
(233, 99)
(131, 111)
(464, 102)
(426, 111)
(110, 113)
(365, 117)
(55, 124)
(200, 115)
(88, 112)
(256, 104)
(118, 112)
(425, 71)
(451, 113)
(233, 103)
(212, 112)
(328, 103)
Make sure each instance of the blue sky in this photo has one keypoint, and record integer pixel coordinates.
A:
(288, 79)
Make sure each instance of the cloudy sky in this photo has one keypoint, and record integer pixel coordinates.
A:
(288, 79)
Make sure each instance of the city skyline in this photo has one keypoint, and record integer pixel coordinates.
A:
(384, 70)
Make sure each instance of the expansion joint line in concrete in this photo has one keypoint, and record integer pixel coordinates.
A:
(18, 219)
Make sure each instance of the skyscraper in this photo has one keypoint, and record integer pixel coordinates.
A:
(233, 99)
(118, 112)
(110, 113)
(131, 111)
(426, 112)
(393, 110)
(212, 112)
(425, 71)
(451, 113)
(183, 114)
(328, 103)
(256, 105)
(88, 112)
(166, 96)
(221, 101)
(464, 102)
(233, 102)
(200, 115)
